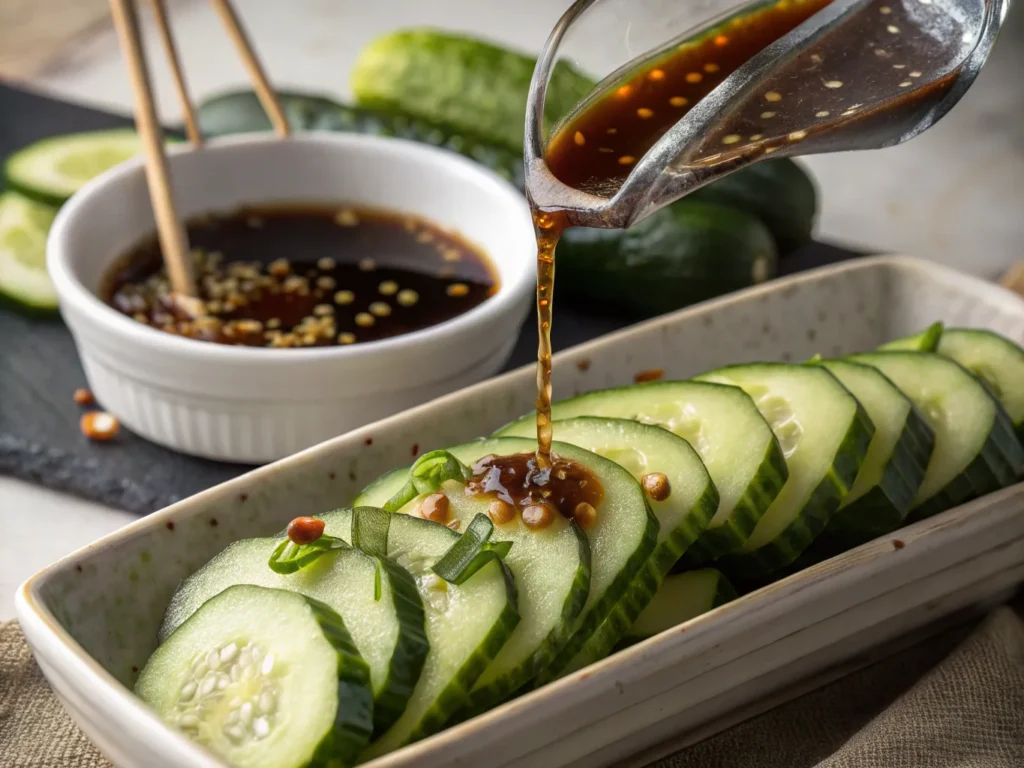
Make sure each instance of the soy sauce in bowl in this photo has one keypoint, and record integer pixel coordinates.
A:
(301, 276)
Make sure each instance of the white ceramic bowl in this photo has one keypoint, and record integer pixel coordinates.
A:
(255, 405)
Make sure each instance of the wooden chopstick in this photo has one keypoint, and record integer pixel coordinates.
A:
(191, 124)
(1014, 278)
(261, 84)
(172, 234)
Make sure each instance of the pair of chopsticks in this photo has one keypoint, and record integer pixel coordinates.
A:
(170, 229)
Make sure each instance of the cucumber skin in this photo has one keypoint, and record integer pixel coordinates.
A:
(353, 722)
(616, 594)
(685, 253)
(884, 508)
(467, 83)
(927, 340)
(489, 696)
(725, 593)
(816, 513)
(997, 466)
(666, 554)
(410, 650)
(733, 533)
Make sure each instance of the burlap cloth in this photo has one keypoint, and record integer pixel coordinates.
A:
(956, 701)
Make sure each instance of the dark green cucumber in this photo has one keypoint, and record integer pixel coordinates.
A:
(467, 624)
(994, 359)
(778, 192)
(722, 424)
(471, 85)
(824, 434)
(388, 631)
(894, 466)
(683, 515)
(682, 596)
(265, 678)
(976, 450)
(680, 255)
(241, 112)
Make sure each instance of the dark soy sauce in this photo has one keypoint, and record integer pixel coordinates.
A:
(306, 276)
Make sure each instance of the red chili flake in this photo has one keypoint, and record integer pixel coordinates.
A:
(84, 397)
(897, 544)
(652, 374)
(368, 441)
(415, 448)
(99, 425)
(305, 530)
(170, 526)
(583, 365)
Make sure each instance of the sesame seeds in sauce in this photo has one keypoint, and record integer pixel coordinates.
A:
(308, 276)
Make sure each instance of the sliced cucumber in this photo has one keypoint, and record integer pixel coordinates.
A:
(994, 359)
(976, 450)
(924, 341)
(264, 678)
(824, 434)
(24, 226)
(894, 466)
(725, 428)
(682, 596)
(467, 624)
(682, 516)
(52, 170)
(388, 632)
(559, 613)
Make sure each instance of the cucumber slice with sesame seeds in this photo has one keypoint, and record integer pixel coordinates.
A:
(282, 693)
(52, 170)
(682, 596)
(824, 433)
(388, 632)
(24, 227)
(467, 624)
(994, 359)
(722, 424)
(683, 513)
(894, 466)
(584, 577)
(976, 450)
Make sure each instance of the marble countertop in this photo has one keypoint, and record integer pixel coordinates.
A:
(954, 195)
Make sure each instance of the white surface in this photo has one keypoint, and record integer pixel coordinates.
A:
(954, 195)
(683, 679)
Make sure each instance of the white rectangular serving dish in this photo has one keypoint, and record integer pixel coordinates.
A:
(91, 618)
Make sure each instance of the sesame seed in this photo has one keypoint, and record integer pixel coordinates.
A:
(773, 96)
(885, 10)
(906, 83)
(279, 267)
(823, 113)
(344, 297)
(612, 131)
(816, 58)
(644, 113)
(656, 74)
(892, 29)
(309, 339)
(380, 308)
(797, 135)
(606, 150)
(407, 297)
(757, 137)
(325, 263)
(833, 83)
(721, 41)
(346, 338)
(367, 264)
(425, 237)
(579, 138)
(767, 115)
(769, 150)
(694, 77)
(141, 317)
(365, 320)
(457, 289)
(899, 66)
(321, 310)
(627, 160)
(711, 67)
(388, 288)
(732, 138)
(326, 282)
(274, 322)
(346, 218)
(679, 101)
(623, 91)
(451, 254)
(915, 73)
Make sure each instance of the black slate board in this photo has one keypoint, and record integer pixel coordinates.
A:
(40, 439)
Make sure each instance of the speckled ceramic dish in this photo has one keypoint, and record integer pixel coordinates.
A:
(92, 617)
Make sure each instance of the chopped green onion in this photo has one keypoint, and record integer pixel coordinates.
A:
(370, 527)
(427, 475)
(471, 552)
(289, 557)
(376, 581)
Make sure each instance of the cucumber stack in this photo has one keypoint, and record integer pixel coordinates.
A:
(389, 627)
